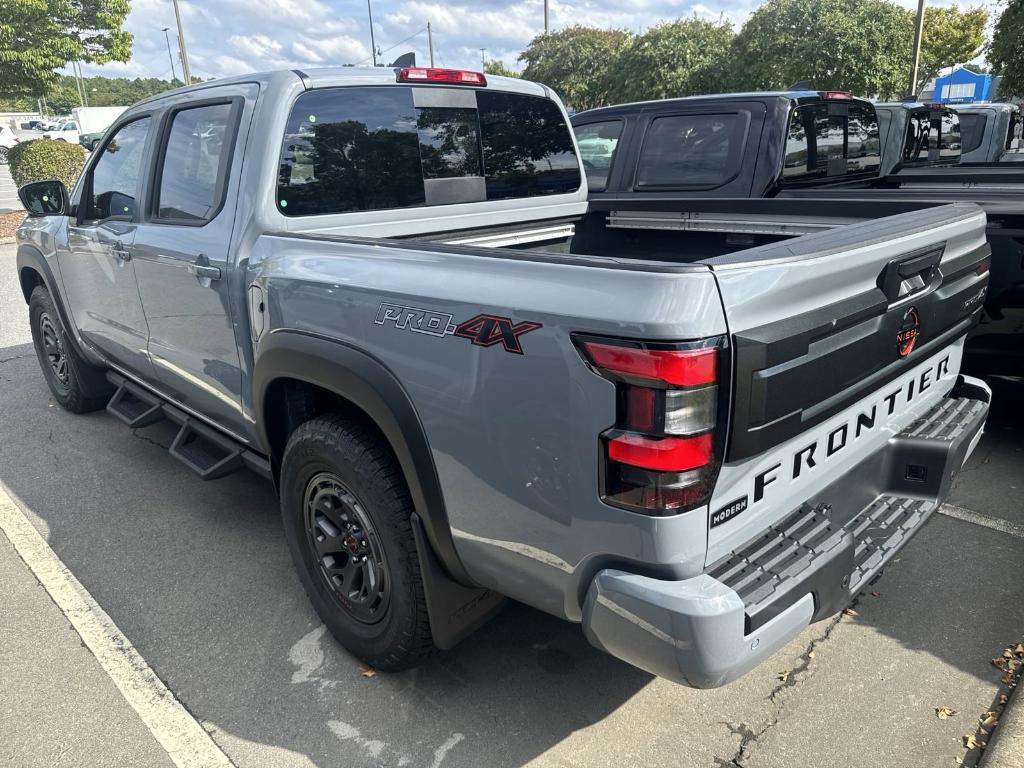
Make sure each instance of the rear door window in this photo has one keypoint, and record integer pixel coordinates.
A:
(372, 148)
(826, 140)
(1014, 140)
(695, 151)
(597, 143)
(933, 136)
(193, 168)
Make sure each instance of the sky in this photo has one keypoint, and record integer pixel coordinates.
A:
(228, 37)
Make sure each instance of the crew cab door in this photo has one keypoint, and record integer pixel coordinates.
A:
(97, 269)
(839, 341)
(183, 255)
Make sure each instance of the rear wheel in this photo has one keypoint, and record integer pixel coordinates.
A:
(3, 155)
(347, 519)
(76, 385)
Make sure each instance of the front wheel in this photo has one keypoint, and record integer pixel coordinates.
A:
(78, 386)
(3, 155)
(347, 518)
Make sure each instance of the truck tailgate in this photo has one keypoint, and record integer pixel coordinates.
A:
(840, 340)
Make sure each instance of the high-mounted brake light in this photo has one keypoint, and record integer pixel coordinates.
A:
(837, 95)
(660, 455)
(438, 75)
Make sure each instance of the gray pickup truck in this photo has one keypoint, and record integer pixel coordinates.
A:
(360, 285)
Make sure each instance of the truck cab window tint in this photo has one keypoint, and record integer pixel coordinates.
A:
(527, 146)
(948, 140)
(863, 146)
(114, 178)
(194, 163)
(1014, 140)
(449, 142)
(972, 130)
(689, 151)
(597, 143)
(350, 149)
(370, 148)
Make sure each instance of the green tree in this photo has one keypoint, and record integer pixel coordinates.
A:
(1006, 52)
(951, 36)
(498, 67)
(578, 62)
(39, 37)
(675, 58)
(857, 46)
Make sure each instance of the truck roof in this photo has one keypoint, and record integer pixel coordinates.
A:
(790, 96)
(977, 106)
(327, 77)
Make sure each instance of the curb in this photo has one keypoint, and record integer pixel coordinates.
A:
(1006, 748)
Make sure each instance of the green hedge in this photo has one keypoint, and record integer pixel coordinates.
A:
(42, 159)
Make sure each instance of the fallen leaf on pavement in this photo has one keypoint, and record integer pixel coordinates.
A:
(1019, 648)
(850, 612)
(810, 654)
(945, 712)
(782, 676)
(989, 719)
(1003, 698)
(971, 743)
(876, 594)
(367, 672)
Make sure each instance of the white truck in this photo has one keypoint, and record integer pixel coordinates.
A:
(93, 119)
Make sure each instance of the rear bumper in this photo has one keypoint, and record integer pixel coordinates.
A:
(709, 630)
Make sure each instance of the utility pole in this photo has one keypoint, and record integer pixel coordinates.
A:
(170, 58)
(483, 63)
(80, 83)
(373, 44)
(186, 73)
(545, 17)
(430, 44)
(918, 32)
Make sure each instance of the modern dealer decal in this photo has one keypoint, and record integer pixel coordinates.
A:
(483, 330)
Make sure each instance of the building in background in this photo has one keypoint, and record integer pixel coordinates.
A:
(962, 86)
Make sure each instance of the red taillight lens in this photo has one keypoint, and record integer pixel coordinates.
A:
(678, 367)
(660, 455)
(438, 75)
(664, 454)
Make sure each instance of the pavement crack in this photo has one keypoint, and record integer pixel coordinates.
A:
(748, 736)
(15, 357)
(151, 441)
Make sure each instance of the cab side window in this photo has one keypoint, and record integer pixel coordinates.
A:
(597, 143)
(193, 172)
(114, 179)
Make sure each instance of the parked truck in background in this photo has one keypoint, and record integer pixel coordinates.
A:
(915, 135)
(758, 168)
(93, 119)
(991, 132)
(364, 285)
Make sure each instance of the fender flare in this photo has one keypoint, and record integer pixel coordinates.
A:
(367, 383)
(29, 257)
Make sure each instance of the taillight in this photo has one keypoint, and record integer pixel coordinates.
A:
(438, 75)
(660, 457)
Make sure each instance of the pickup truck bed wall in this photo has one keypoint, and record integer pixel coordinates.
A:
(603, 435)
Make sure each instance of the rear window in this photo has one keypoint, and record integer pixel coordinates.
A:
(933, 136)
(972, 128)
(597, 143)
(378, 147)
(828, 140)
(695, 151)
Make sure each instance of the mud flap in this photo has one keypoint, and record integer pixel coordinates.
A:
(455, 611)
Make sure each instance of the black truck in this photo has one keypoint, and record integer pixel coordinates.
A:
(772, 152)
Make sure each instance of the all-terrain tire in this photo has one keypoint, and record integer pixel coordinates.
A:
(346, 457)
(77, 385)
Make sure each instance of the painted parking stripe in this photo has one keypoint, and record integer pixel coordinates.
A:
(995, 523)
(181, 736)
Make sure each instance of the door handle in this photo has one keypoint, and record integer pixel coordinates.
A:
(204, 271)
(121, 253)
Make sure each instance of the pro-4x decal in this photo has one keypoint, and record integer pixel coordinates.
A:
(484, 330)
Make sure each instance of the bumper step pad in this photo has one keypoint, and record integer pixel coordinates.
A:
(833, 556)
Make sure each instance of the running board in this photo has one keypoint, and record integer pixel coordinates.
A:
(204, 450)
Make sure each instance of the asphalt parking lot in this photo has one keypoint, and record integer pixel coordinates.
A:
(197, 576)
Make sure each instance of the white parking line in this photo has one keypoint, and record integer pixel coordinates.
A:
(995, 523)
(181, 736)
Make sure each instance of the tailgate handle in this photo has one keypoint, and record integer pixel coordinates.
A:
(909, 275)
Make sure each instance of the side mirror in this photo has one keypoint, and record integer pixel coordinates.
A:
(45, 198)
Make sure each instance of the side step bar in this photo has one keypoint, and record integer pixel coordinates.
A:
(205, 451)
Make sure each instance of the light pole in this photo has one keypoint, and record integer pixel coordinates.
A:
(373, 44)
(545, 17)
(430, 44)
(186, 73)
(483, 64)
(918, 32)
(170, 58)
